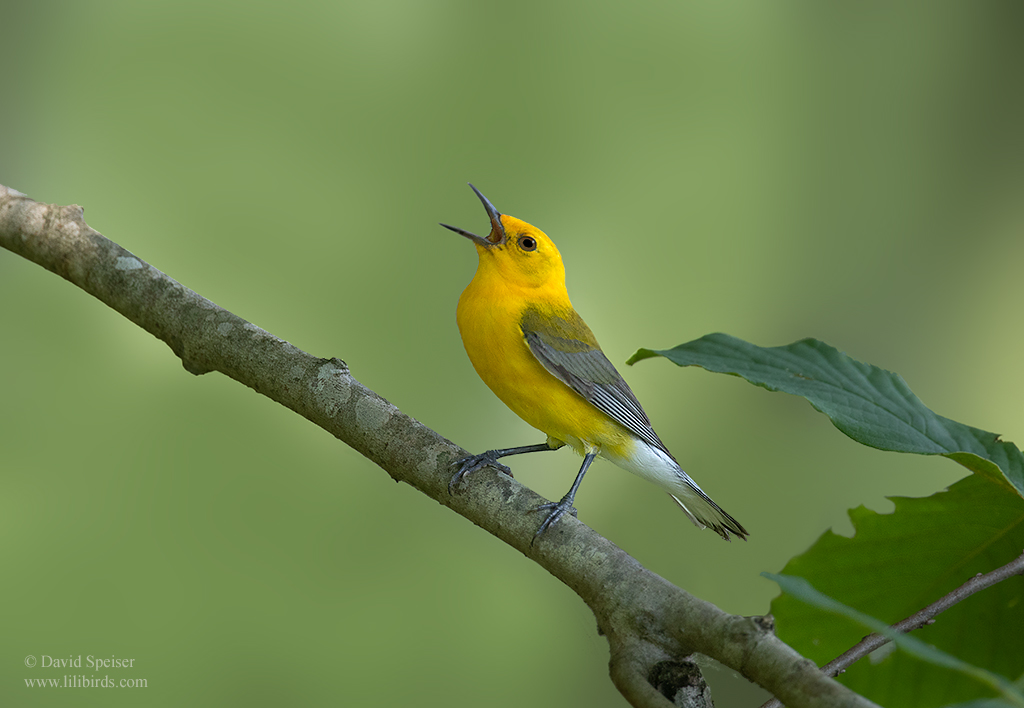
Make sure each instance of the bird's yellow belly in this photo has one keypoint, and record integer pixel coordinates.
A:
(495, 344)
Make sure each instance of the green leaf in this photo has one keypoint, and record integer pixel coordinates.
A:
(873, 406)
(803, 590)
(897, 563)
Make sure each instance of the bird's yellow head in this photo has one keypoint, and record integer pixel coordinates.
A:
(515, 251)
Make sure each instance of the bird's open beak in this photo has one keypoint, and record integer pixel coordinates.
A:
(497, 234)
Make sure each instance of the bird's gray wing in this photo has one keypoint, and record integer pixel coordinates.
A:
(566, 347)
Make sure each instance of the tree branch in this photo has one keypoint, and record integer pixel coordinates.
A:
(647, 620)
(917, 620)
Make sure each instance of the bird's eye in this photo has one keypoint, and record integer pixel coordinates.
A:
(528, 243)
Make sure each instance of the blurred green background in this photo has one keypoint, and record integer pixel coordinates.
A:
(849, 171)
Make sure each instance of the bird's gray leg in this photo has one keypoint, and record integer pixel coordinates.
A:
(558, 509)
(468, 465)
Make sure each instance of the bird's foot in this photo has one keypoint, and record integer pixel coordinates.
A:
(557, 511)
(468, 465)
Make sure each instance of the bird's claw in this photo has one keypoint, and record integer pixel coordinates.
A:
(558, 510)
(469, 465)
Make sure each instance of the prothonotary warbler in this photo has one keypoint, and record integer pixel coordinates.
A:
(539, 357)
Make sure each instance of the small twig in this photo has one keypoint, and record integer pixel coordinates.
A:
(917, 620)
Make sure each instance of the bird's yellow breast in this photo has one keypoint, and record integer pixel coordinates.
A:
(489, 315)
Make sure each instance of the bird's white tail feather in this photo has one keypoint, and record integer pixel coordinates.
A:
(658, 466)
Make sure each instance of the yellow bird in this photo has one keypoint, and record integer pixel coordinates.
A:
(539, 357)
